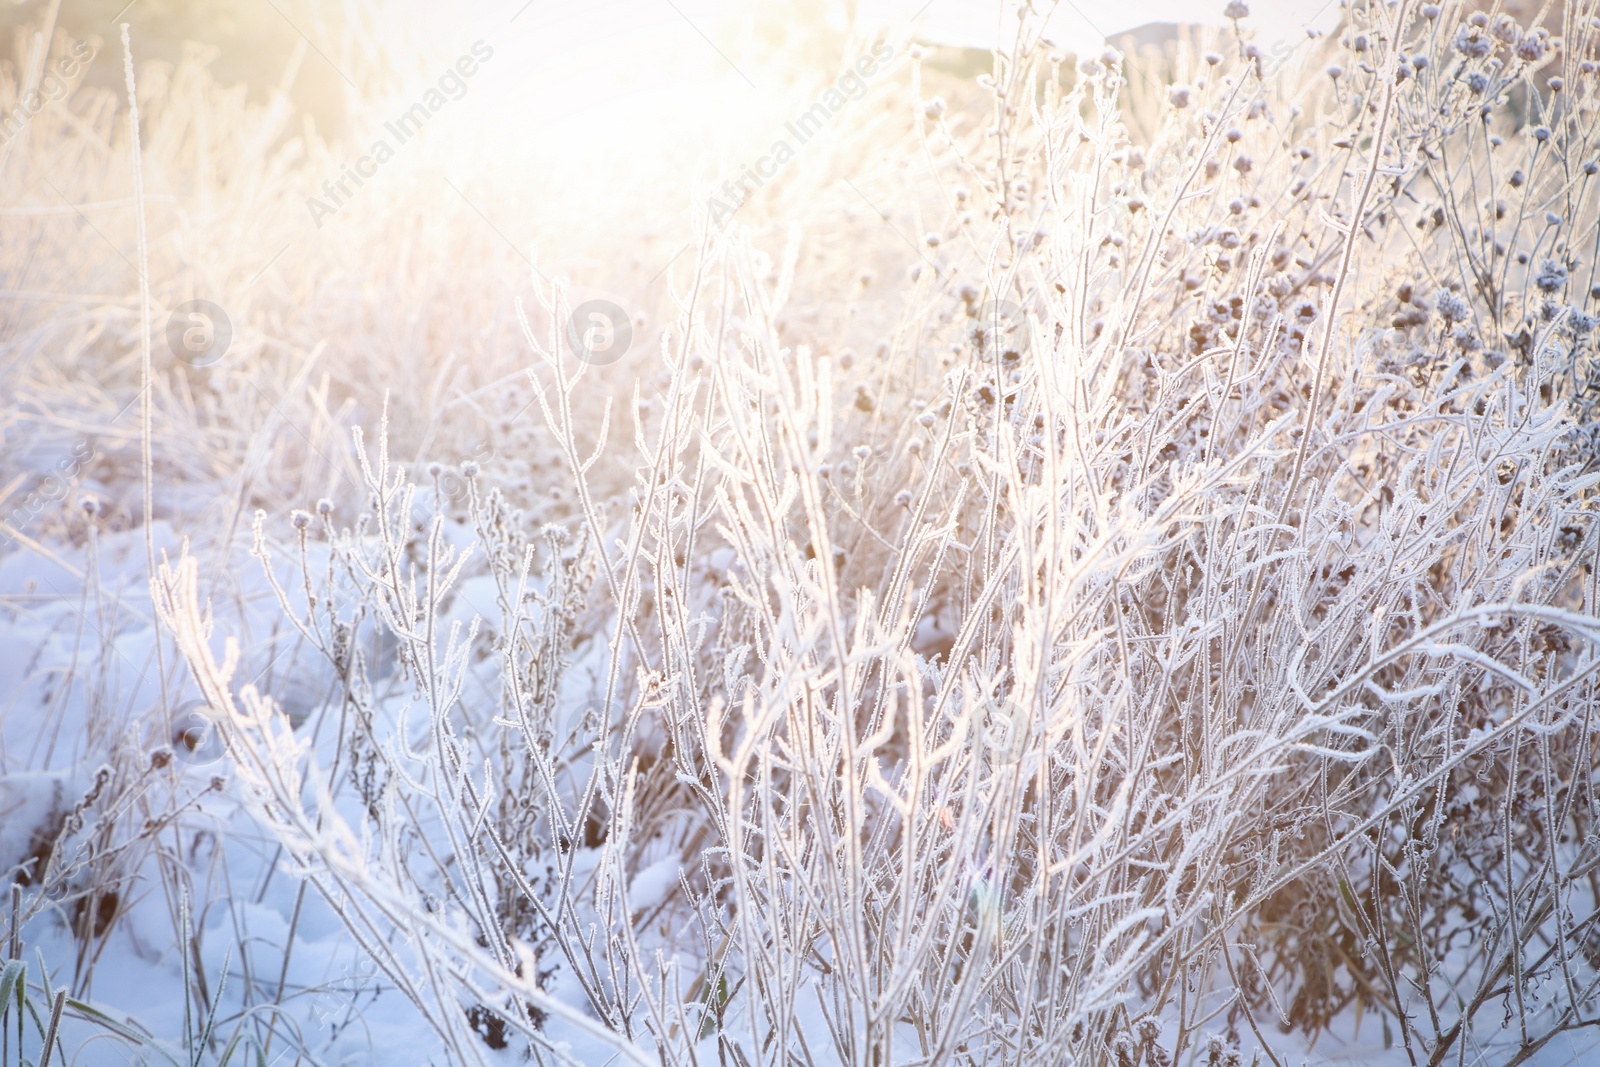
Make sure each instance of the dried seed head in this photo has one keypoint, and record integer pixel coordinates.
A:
(1452, 306)
(1505, 29)
(1551, 277)
(1472, 43)
(1534, 47)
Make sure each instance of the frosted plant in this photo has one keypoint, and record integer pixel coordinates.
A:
(1209, 642)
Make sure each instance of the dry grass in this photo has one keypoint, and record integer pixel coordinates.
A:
(1055, 584)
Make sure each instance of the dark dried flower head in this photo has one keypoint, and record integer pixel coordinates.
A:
(1477, 82)
(1551, 277)
(1534, 47)
(1451, 306)
(1236, 10)
(1472, 43)
(299, 519)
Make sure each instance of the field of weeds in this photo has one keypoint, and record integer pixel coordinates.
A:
(913, 558)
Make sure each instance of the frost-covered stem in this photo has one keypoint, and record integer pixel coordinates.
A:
(1354, 231)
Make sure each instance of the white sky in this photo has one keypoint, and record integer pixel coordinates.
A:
(558, 61)
(657, 97)
(652, 39)
(1086, 23)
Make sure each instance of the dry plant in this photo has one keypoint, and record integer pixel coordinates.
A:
(1180, 628)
